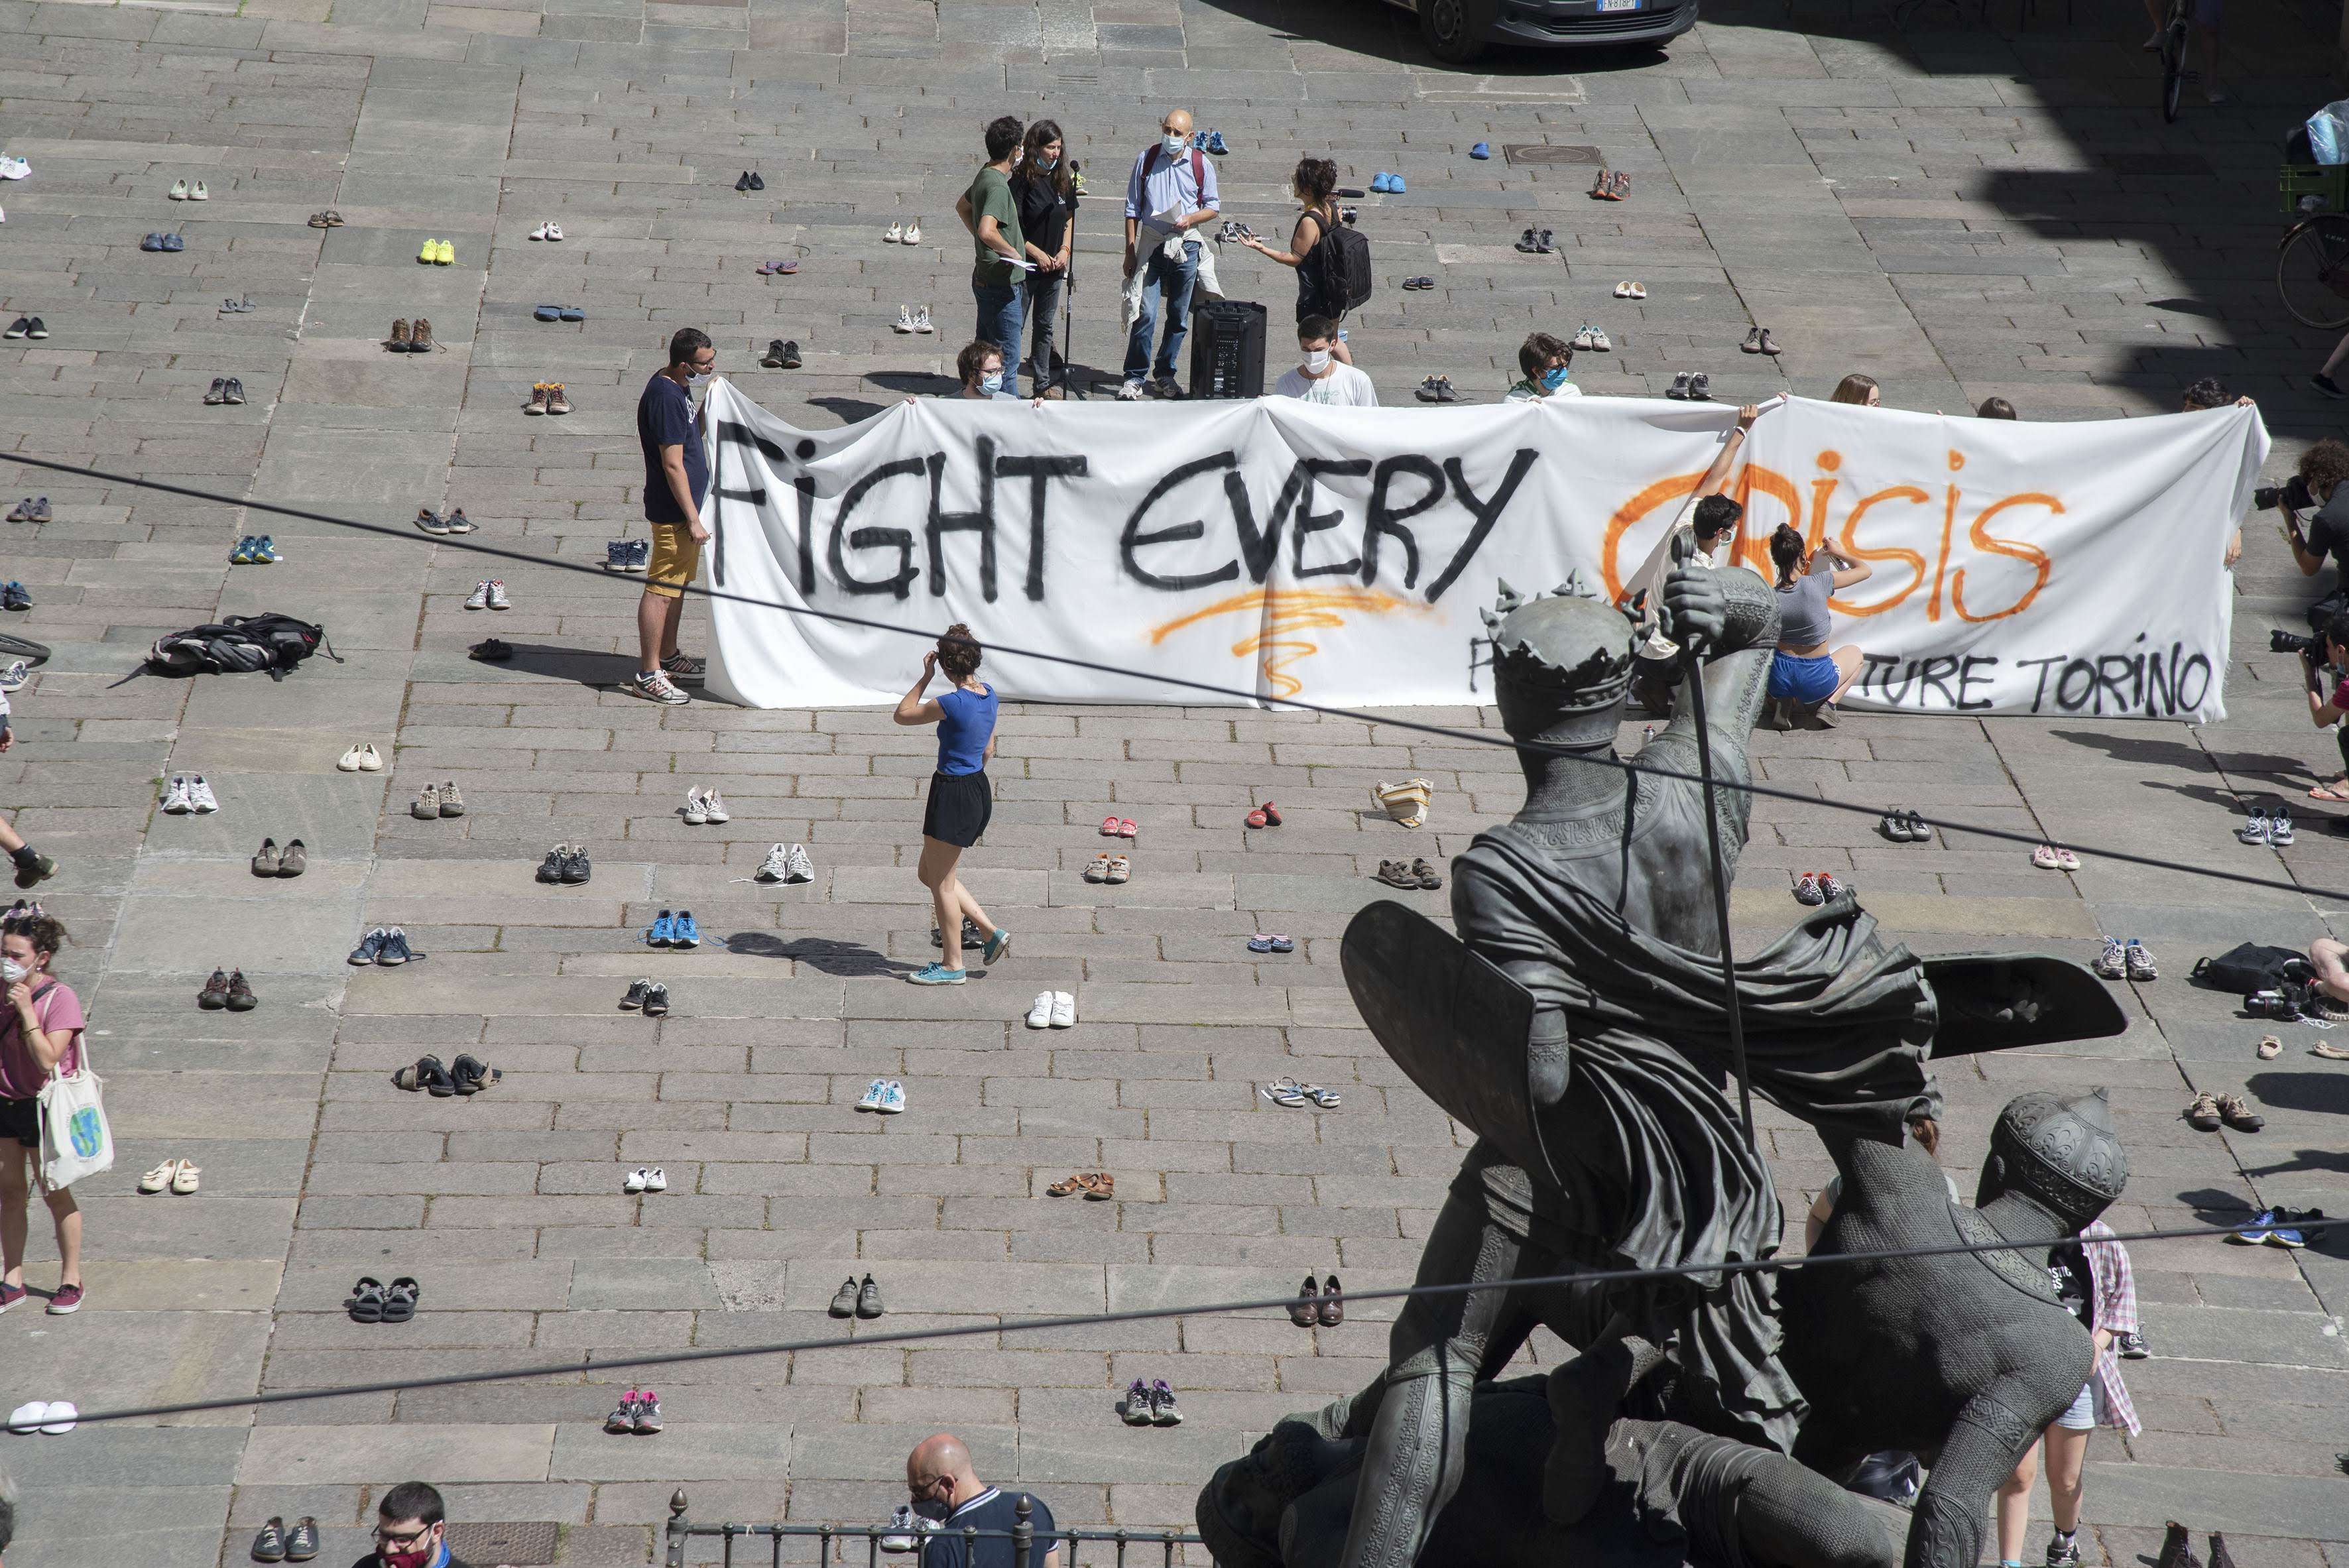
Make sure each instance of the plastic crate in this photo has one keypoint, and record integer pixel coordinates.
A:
(2328, 184)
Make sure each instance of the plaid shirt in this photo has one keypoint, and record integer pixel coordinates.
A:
(2116, 1311)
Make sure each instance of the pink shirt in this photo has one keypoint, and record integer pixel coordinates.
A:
(22, 1075)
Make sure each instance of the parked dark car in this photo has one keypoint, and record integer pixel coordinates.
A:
(1458, 31)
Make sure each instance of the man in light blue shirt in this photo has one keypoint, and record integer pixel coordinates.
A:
(1174, 180)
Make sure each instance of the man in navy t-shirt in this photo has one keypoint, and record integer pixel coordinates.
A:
(948, 1493)
(676, 482)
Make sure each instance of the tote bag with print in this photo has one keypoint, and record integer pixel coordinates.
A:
(74, 1140)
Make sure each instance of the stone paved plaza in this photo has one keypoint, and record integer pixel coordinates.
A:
(1962, 208)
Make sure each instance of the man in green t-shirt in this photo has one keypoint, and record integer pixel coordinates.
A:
(992, 215)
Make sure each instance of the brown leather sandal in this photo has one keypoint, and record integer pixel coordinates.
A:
(1099, 1186)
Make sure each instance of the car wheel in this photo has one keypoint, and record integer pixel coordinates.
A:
(1456, 29)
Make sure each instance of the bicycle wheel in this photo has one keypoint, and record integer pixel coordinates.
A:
(2173, 68)
(25, 648)
(2312, 272)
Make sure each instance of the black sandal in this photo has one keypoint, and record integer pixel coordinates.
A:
(366, 1304)
(399, 1301)
(470, 1077)
(490, 650)
(427, 1074)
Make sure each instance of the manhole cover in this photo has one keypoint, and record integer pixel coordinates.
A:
(1549, 153)
(521, 1542)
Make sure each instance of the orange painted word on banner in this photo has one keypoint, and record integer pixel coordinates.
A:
(1905, 526)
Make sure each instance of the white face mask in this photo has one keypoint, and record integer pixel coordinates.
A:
(1173, 143)
(1317, 360)
(699, 377)
(11, 971)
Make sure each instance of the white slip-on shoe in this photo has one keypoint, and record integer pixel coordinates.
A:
(197, 192)
(914, 233)
(351, 760)
(1064, 1010)
(554, 232)
(1040, 1012)
(656, 1180)
(370, 760)
(25, 1419)
(60, 1419)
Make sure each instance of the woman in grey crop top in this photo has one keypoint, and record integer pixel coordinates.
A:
(1806, 676)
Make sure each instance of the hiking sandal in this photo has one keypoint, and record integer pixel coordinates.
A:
(1121, 871)
(1324, 1098)
(1098, 870)
(470, 1077)
(1426, 875)
(1099, 1186)
(366, 1304)
(1286, 1091)
(1070, 1185)
(400, 1299)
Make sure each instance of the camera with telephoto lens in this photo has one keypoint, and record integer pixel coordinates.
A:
(2282, 642)
(2293, 494)
(2278, 1004)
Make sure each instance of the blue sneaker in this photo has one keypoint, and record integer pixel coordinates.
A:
(264, 551)
(1481, 151)
(685, 933)
(1215, 143)
(2291, 1236)
(242, 555)
(640, 554)
(2262, 1223)
(616, 554)
(996, 946)
(1199, 141)
(893, 1098)
(936, 974)
(662, 931)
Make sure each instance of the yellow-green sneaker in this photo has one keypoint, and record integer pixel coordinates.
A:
(429, 252)
(446, 254)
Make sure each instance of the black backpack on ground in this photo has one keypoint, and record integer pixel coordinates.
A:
(1341, 260)
(2251, 967)
(240, 645)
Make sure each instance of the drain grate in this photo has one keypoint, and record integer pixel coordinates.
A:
(1549, 152)
(523, 1543)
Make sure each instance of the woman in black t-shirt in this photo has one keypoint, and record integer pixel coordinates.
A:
(1315, 183)
(1043, 186)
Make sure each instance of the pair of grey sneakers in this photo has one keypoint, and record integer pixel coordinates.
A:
(854, 1300)
(786, 863)
(385, 946)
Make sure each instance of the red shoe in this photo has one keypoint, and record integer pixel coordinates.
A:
(1126, 828)
(1257, 819)
(1271, 813)
(1108, 828)
(10, 1295)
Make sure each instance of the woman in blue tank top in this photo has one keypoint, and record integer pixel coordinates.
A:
(961, 802)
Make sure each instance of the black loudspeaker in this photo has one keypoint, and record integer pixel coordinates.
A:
(1228, 350)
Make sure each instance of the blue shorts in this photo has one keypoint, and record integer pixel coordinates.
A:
(2081, 1416)
(1799, 679)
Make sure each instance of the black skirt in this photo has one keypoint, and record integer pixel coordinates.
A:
(960, 806)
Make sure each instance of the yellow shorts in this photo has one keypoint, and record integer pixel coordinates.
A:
(676, 554)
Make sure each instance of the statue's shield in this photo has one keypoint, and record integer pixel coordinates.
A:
(1451, 1019)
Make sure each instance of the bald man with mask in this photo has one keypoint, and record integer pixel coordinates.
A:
(948, 1493)
(1170, 193)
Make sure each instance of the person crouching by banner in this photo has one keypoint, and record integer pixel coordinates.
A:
(961, 800)
(1806, 676)
(40, 1035)
(1712, 540)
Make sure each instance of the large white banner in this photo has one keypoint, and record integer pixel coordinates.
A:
(1341, 555)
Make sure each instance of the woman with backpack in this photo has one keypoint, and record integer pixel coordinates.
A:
(40, 1035)
(1316, 185)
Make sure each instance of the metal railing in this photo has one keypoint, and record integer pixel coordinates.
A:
(1148, 1548)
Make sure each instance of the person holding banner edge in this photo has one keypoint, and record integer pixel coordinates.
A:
(1714, 535)
(1806, 676)
(961, 802)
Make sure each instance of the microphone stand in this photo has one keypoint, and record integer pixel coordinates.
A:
(1068, 380)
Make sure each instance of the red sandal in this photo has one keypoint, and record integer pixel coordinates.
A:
(1271, 813)
(1257, 819)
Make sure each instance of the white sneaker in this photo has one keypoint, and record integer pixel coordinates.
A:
(901, 1538)
(539, 232)
(893, 1098)
(13, 677)
(657, 1180)
(635, 1181)
(922, 320)
(1040, 1013)
(776, 866)
(1064, 1010)
(914, 233)
(904, 322)
(60, 1419)
(498, 600)
(175, 797)
(370, 760)
(14, 167)
(873, 1093)
(480, 598)
(1128, 392)
(197, 192)
(352, 761)
(554, 232)
(896, 233)
(801, 868)
(27, 1419)
(713, 805)
(694, 814)
(200, 796)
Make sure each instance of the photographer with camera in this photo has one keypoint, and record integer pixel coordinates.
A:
(2317, 488)
(2325, 670)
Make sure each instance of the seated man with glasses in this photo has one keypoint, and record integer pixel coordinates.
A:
(411, 1530)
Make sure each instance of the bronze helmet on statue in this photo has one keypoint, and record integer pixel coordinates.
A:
(2063, 1155)
(1561, 665)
